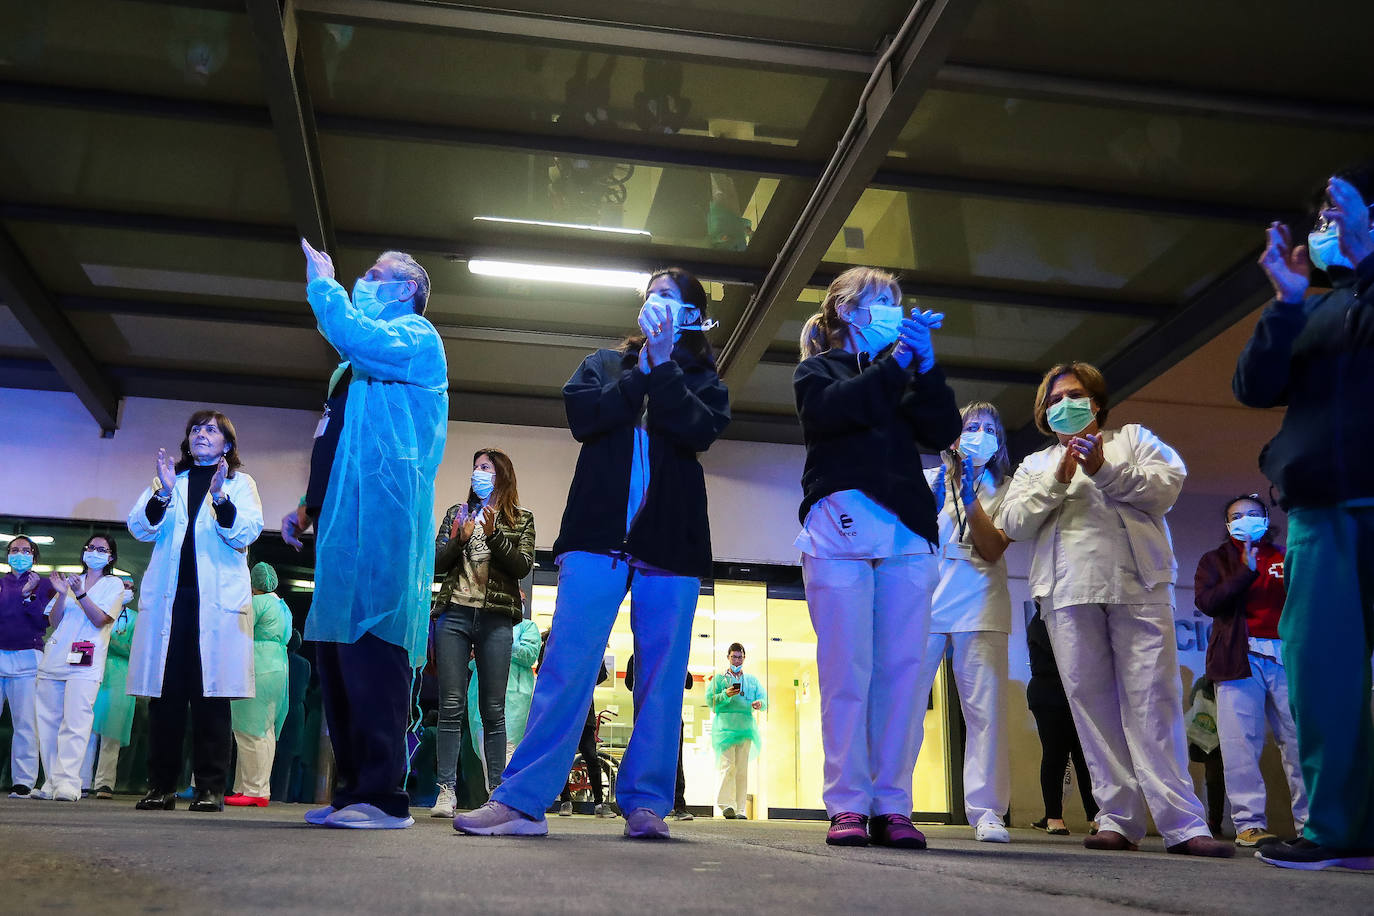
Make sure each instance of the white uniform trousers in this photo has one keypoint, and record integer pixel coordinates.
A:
(980, 672)
(1243, 706)
(253, 772)
(734, 777)
(1119, 664)
(871, 618)
(107, 765)
(18, 673)
(66, 712)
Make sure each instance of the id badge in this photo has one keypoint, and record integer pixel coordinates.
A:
(323, 424)
(957, 550)
(83, 653)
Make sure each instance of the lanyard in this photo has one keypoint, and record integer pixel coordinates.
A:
(959, 517)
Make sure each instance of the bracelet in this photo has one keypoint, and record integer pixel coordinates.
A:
(80, 596)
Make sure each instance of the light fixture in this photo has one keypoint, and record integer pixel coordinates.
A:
(304, 585)
(36, 538)
(557, 273)
(546, 224)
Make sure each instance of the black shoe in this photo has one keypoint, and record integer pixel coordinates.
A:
(157, 801)
(104, 792)
(19, 790)
(207, 801)
(1306, 855)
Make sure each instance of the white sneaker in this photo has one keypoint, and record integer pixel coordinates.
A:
(443, 805)
(66, 796)
(565, 809)
(318, 816)
(991, 832)
(363, 816)
(40, 795)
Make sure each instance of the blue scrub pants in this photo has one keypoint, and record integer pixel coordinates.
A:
(591, 587)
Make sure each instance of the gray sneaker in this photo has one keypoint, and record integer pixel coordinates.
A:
(682, 814)
(443, 805)
(565, 809)
(496, 819)
(643, 824)
(605, 810)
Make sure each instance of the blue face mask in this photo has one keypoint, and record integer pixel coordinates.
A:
(1071, 415)
(21, 562)
(1248, 528)
(980, 445)
(483, 483)
(366, 300)
(883, 328)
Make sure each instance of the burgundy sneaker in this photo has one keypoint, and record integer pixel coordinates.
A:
(848, 828)
(1204, 846)
(895, 830)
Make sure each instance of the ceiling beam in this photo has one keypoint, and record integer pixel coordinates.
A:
(1233, 295)
(41, 319)
(894, 90)
(275, 29)
(584, 32)
(1054, 87)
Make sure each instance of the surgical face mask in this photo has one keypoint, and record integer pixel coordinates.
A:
(366, 300)
(736, 669)
(1071, 415)
(1248, 528)
(21, 562)
(885, 323)
(95, 560)
(980, 445)
(483, 482)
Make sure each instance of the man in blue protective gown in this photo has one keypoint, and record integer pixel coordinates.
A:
(371, 499)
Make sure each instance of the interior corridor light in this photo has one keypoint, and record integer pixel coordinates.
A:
(555, 273)
(36, 538)
(546, 224)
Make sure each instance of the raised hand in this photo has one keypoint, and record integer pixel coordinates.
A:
(1250, 551)
(937, 489)
(1087, 451)
(488, 520)
(469, 526)
(657, 324)
(966, 481)
(1068, 465)
(915, 335)
(1350, 212)
(218, 478)
(166, 471)
(291, 529)
(317, 263)
(1288, 269)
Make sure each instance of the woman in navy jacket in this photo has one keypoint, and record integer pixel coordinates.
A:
(635, 522)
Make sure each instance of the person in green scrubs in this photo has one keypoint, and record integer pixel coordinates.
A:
(258, 720)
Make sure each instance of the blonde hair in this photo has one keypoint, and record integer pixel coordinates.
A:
(1000, 463)
(1088, 375)
(826, 329)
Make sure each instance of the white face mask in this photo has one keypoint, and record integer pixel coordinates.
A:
(980, 445)
(884, 326)
(1248, 528)
(95, 560)
(483, 483)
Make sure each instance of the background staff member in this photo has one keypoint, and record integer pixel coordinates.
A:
(971, 610)
(1103, 569)
(734, 697)
(258, 721)
(194, 645)
(73, 665)
(374, 558)
(23, 596)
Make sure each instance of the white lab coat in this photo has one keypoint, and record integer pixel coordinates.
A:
(226, 595)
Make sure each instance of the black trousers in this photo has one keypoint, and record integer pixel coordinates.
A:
(680, 792)
(212, 739)
(365, 686)
(1059, 743)
(586, 746)
(1214, 774)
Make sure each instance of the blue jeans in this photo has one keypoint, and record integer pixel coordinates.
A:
(460, 633)
(590, 589)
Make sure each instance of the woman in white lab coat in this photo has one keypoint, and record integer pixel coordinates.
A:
(73, 665)
(194, 641)
(1103, 569)
(970, 612)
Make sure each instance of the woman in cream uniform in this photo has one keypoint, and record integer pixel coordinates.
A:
(194, 641)
(1102, 567)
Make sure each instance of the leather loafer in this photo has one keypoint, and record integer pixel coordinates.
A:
(207, 801)
(1109, 840)
(157, 801)
(1204, 846)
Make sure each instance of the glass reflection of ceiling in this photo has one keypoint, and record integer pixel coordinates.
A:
(437, 191)
(952, 237)
(509, 83)
(1223, 45)
(1247, 162)
(129, 163)
(155, 48)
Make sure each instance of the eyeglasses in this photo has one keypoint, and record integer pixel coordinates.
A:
(27, 550)
(1324, 222)
(93, 549)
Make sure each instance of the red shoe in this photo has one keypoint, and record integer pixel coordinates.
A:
(848, 828)
(246, 801)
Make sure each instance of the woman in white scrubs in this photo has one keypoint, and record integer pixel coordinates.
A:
(1103, 569)
(970, 613)
(74, 664)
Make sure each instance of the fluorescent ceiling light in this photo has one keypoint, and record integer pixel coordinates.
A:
(36, 538)
(581, 227)
(554, 273)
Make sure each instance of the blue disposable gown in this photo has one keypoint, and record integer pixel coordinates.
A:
(374, 550)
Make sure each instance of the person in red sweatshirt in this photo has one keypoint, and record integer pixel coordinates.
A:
(1240, 586)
